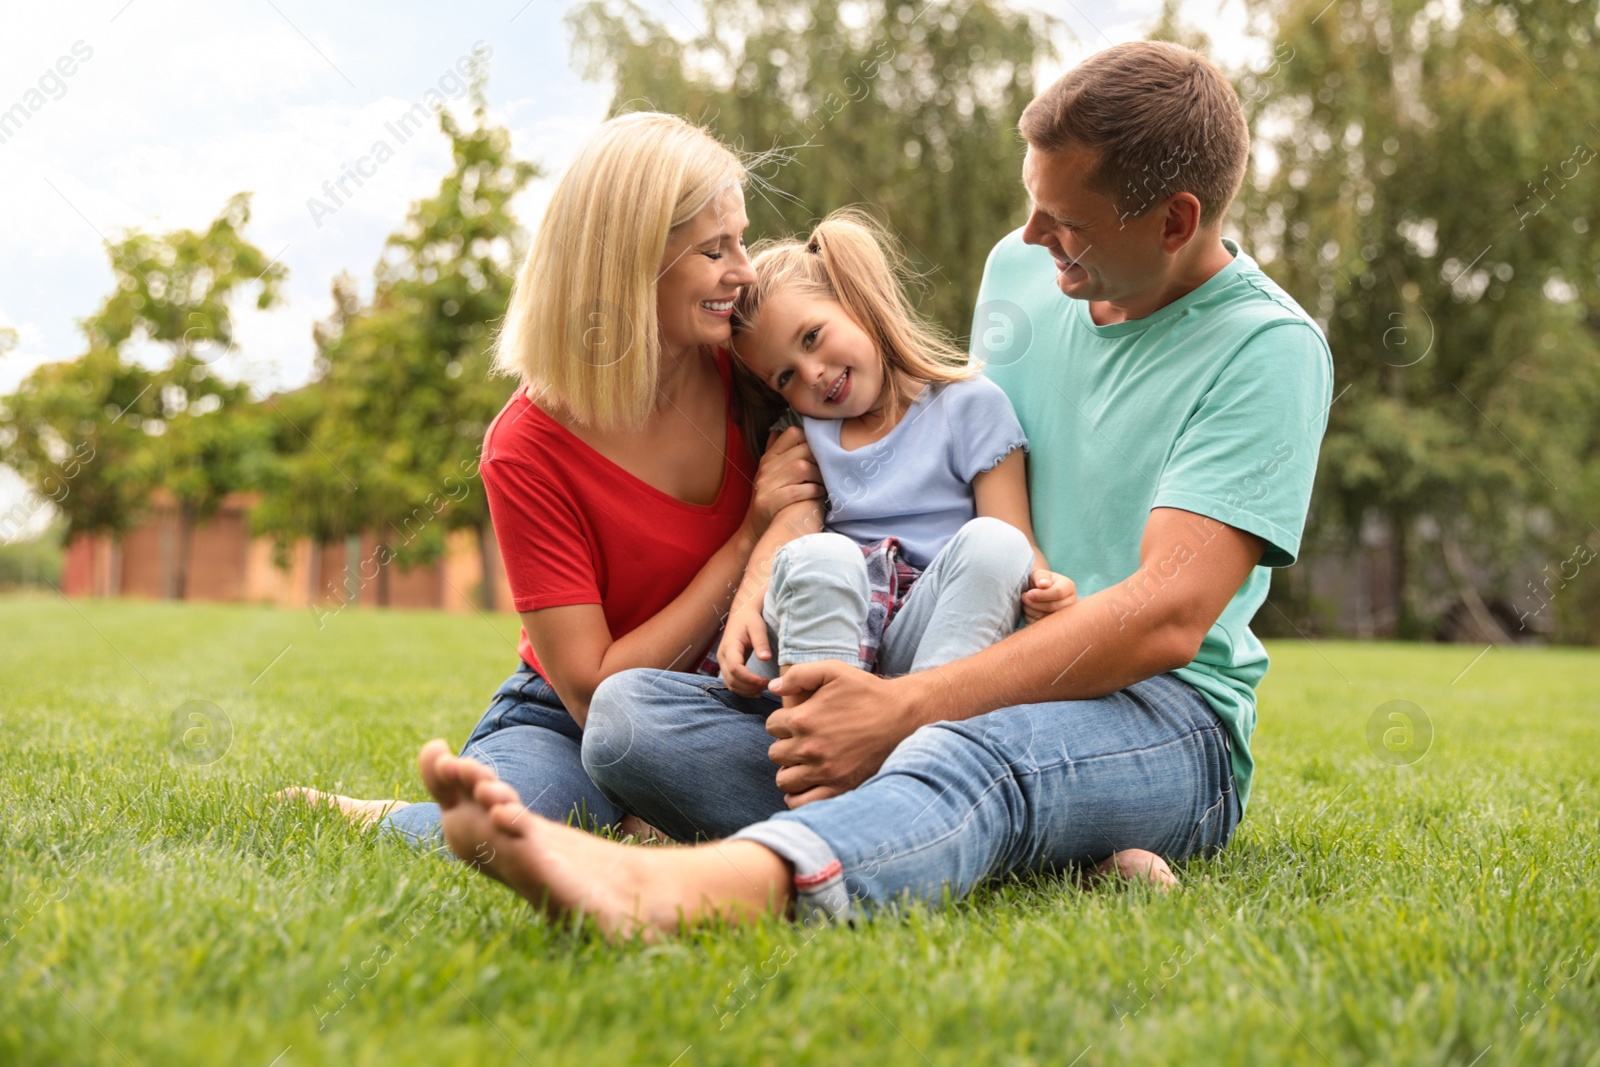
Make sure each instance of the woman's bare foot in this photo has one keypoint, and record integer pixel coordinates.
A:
(641, 832)
(1137, 865)
(360, 812)
(627, 890)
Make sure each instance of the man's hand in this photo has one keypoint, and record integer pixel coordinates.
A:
(840, 736)
(1047, 592)
(746, 632)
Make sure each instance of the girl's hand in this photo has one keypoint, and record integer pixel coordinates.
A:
(746, 631)
(788, 473)
(1047, 592)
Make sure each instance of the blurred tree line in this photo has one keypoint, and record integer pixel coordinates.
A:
(384, 439)
(93, 436)
(1431, 204)
(909, 107)
(1425, 180)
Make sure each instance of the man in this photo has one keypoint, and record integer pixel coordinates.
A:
(1174, 399)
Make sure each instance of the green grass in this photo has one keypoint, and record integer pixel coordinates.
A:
(155, 911)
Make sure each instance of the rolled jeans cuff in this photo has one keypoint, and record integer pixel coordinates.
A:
(819, 890)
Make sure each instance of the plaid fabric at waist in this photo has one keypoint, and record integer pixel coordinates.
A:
(889, 578)
(889, 582)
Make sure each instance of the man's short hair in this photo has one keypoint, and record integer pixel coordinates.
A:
(1162, 118)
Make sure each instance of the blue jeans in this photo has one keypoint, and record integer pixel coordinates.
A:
(532, 742)
(1037, 786)
(818, 601)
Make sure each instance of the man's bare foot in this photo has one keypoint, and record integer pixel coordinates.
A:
(627, 890)
(360, 812)
(1137, 865)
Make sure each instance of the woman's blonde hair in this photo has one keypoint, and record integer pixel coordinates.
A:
(582, 325)
(850, 259)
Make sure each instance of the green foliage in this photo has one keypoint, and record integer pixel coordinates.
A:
(910, 108)
(405, 393)
(215, 442)
(176, 288)
(95, 435)
(154, 911)
(74, 431)
(1431, 201)
(36, 562)
(305, 494)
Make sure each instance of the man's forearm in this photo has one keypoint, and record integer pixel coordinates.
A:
(1154, 621)
(1096, 646)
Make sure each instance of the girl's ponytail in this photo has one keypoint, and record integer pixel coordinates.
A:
(856, 259)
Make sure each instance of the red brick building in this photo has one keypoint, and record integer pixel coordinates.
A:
(227, 563)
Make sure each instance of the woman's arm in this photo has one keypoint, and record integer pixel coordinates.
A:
(574, 644)
(1001, 492)
(577, 652)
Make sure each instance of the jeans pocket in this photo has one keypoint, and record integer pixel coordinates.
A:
(516, 691)
(491, 720)
(1216, 824)
(1214, 829)
(718, 690)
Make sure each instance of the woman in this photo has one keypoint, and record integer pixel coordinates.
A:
(625, 498)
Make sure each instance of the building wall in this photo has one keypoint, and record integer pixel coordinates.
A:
(227, 564)
(218, 558)
(145, 555)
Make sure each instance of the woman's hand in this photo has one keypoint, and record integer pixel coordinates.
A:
(788, 474)
(746, 632)
(1047, 592)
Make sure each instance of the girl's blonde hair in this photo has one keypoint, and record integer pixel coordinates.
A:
(850, 259)
(582, 325)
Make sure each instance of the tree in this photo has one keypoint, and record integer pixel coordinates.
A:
(96, 434)
(176, 288)
(405, 380)
(215, 443)
(910, 108)
(304, 493)
(74, 432)
(1426, 206)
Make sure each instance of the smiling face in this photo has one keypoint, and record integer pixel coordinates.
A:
(701, 271)
(1100, 253)
(814, 354)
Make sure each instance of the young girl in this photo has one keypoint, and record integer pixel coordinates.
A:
(928, 546)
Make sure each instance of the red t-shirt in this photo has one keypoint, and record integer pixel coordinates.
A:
(575, 528)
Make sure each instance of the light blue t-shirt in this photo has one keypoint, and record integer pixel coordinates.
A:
(1214, 404)
(915, 482)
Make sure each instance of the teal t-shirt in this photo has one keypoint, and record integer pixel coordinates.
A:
(1215, 404)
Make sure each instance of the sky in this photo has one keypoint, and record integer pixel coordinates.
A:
(149, 114)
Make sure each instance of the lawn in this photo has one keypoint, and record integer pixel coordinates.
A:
(1391, 897)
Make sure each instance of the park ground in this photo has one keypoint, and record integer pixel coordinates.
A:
(1414, 883)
